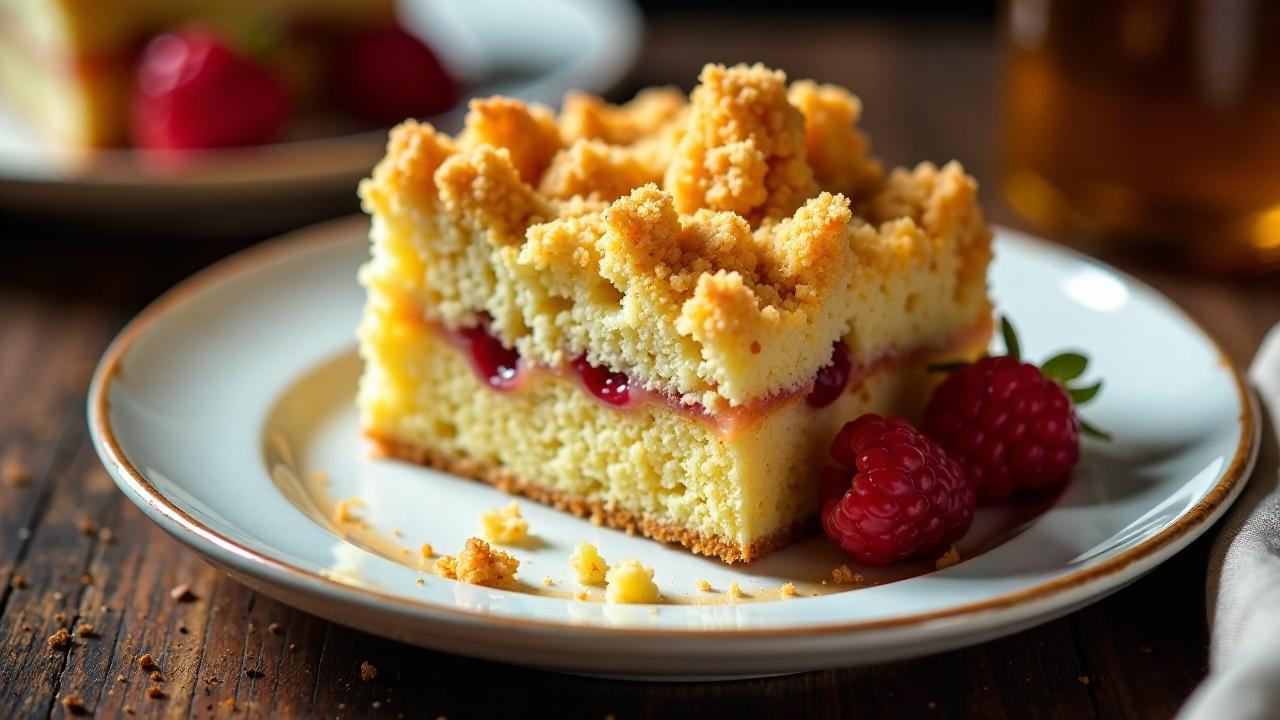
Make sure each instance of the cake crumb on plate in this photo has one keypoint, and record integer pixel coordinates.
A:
(480, 564)
(844, 576)
(630, 582)
(504, 525)
(949, 558)
(587, 563)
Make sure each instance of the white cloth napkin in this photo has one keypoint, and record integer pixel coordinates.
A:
(1244, 579)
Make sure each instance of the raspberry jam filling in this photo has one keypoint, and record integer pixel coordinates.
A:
(503, 369)
(613, 388)
(831, 380)
(499, 366)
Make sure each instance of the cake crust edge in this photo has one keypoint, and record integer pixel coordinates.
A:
(595, 510)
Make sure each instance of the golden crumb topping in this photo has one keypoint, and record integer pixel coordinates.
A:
(480, 564)
(835, 148)
(712, 250)
(588, 565)
(743, 149)
(504, 525)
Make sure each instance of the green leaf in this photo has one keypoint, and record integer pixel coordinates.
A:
(948, 366)
(1065, 367)
(1011, 346)
(1092, 431)
(1082, 395)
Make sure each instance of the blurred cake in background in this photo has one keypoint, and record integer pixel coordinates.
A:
(173, 74)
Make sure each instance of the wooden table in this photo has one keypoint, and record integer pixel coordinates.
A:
(74, 552)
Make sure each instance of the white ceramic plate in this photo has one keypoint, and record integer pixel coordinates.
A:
(535, 50)
(212, 404)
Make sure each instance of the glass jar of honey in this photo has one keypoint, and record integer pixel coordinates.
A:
(1153, 123)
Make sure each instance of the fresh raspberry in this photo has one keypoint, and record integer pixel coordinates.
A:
(893, 493)
(193, 91)
(1011, 425)
(386, 75)
(1008, 425)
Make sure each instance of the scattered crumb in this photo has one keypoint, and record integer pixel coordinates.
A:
(85, 630)
(120, 678)
(24, 533)
(19, 581)
(60, 639)
(547, 581)
(480, 564)
(86, 527)
(704, 586)
(58, 596)
(60, 617)
(844, 576)
(106, 536)
(630, 582)
(587, 563)
(14, 472)
(86, 579)
(949, 558)
(421, 581)
(145, 662)
(368, 671)
(342, 510)
(156, 676)
(395, 532)
(427, 551)
(274, 628)
(376, 704)
(74, 703)
(787, 590)
(183, 593)
(1084, 679)
(581, 596)
(734, 591)
(155, 692)
(504, 525)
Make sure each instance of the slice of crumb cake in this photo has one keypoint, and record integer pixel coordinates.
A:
(658, 314)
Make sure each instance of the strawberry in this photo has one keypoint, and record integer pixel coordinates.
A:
(193, 91)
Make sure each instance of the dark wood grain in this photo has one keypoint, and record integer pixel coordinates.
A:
(929, 93)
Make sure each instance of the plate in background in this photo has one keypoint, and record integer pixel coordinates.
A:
(225, 411)
(534, 50)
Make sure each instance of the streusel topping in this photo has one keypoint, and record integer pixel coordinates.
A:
(712, 250)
